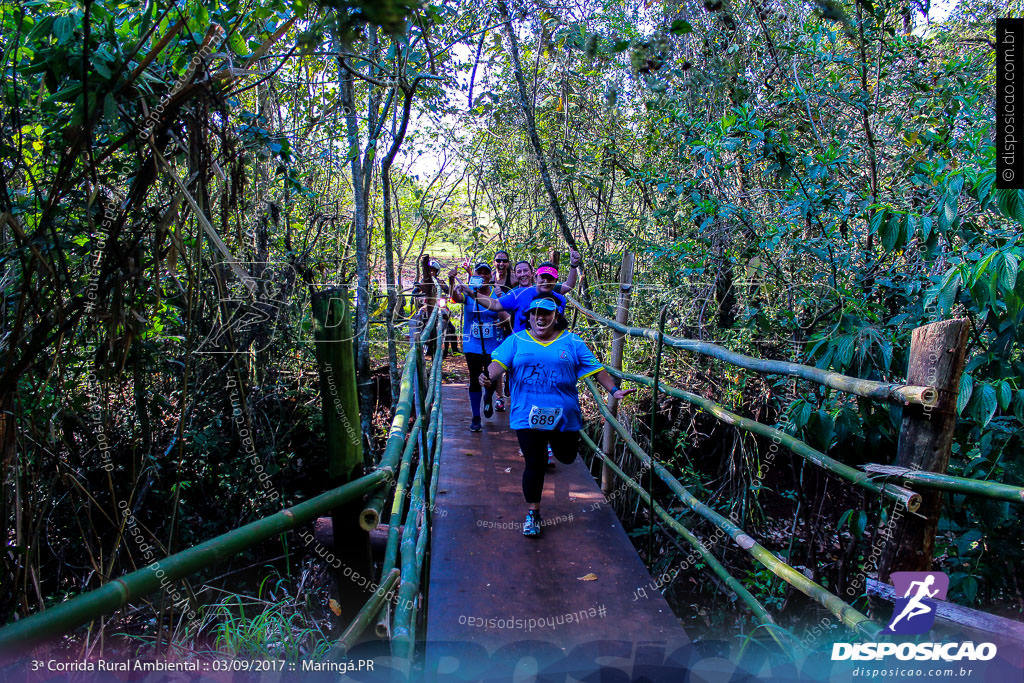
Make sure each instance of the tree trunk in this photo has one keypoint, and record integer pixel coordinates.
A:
(363, 380)
(389, 248)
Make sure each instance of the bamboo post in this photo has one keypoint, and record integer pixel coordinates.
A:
(618, 347)
(937, 354)
(335, 353)
(336, 359)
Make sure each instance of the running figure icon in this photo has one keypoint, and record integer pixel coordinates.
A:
(915, 607)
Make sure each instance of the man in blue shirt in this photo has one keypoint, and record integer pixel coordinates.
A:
(545, 362)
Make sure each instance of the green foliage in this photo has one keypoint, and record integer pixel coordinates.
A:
(277, 623)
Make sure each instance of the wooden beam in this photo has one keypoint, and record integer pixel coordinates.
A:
(618, 346)
(926, 435)
(951, 613)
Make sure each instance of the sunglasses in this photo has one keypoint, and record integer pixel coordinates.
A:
(501, 260)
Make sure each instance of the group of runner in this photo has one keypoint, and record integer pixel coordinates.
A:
(514, 324)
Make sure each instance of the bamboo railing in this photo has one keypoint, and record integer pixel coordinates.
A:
(945, 482)
(84, 608)
(897, 483)
(402, 443)
(898, 394)
(846, 613)
(911, 500)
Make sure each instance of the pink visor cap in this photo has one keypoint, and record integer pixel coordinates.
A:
(547, 270)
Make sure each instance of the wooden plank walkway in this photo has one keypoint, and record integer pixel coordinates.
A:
(496, 598)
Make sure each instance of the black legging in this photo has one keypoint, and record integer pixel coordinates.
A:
(534, 444)
(477, 363)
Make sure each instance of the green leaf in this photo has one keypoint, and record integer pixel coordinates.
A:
(102, 68)
(890, 233)
(820, 428)
(1005, 394)
(964, 392)
(982, 266)
(949, 210)
(984, 185)
(63, 29)
(843, 519)
(876, 221)
(109, 108)
(926, 227)
(985, 404)
(860, 523)
(237, 44)
(681, 27)
(1009, 203)
(1008, 273)
(969, 586)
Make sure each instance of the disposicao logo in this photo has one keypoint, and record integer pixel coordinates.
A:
(914, 614)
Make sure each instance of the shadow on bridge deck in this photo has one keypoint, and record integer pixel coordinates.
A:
(496, 597)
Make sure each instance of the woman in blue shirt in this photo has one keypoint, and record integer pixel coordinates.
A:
(482, 332)
(545, 362)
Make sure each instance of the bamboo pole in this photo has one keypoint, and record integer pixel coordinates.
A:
(370, 516)
(335, 354)
(946, 482)
(336, 358)
(712, 562)
(390, 459)
(618, 348)
(898, 394)
(847, 614)
(401, 633)
(398, 501)
(415, 537)
(391, 548)
(364, 618)
(83, 608)
(908, 498)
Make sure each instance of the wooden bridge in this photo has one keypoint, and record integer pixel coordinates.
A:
(552, 598)
(460, 594)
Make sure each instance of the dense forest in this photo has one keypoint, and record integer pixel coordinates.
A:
(799, 181)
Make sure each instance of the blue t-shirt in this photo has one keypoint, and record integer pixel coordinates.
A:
(544, 378)
(480, 323)
(518, 301)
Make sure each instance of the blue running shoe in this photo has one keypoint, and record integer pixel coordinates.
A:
(531, 527)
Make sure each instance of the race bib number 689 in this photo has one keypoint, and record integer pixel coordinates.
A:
(544, 418)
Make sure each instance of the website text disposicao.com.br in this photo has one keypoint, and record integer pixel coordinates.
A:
(911, 672)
